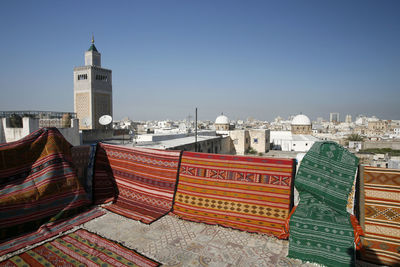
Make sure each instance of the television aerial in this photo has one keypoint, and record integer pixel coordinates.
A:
(105, 120)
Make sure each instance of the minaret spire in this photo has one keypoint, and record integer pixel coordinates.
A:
(92, 38)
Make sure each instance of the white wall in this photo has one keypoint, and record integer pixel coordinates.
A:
(72, 134)
(29, 125)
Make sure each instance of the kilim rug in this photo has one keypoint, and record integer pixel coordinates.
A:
(80, 248)
(380, 215)
(48, 230)
(320, 227)
(37, 182)
(83, 162)
(246, 193)
(144, 180)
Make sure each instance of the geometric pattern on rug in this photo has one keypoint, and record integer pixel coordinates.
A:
(80, 248)
(238, 168)
(176, 242)
(380, 218)
(144, 180)
(210, 191)
(48, 230)
(320, 227)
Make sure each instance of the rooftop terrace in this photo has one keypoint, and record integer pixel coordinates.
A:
(171, 238)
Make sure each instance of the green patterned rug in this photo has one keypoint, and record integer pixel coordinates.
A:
(320, 228)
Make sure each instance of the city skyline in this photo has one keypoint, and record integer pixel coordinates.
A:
(258, 59)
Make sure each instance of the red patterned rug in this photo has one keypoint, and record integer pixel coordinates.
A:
(246, 193)
(380, 217)
(37, 182)
(80, 248)
(143, 180)
(47, 231)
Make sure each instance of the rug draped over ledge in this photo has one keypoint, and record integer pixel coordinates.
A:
(320, 227)
(380, 215)
(245, 193)
(140, 181)
(37, 182)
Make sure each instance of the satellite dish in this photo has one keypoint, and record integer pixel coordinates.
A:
(86, 121)
(105, 120)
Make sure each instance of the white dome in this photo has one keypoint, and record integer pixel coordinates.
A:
(301, 120)
(222, 119)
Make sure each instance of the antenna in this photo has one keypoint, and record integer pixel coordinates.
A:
(105, 120)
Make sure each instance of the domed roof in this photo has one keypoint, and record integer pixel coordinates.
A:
(301, 120)
(222, 119)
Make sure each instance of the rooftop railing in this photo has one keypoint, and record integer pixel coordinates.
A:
(37, 114)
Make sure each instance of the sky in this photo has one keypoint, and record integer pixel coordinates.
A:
(249, 58)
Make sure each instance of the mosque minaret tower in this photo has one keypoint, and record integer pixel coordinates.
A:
(92, 90)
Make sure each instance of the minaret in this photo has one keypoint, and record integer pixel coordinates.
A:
(92, 56)
(92, 90)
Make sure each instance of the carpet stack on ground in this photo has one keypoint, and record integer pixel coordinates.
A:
(80, 248)
(320, 228)
(143, 180)
(245, 193)
(380, 215)
(37, 182)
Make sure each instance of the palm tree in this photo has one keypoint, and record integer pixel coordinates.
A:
(354, 137)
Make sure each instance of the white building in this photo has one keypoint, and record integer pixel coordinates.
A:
(292, 140)
(222, 125)
(92, 90)
(29, 125)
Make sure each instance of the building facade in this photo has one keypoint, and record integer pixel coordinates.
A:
(301, 124)
(92, 91)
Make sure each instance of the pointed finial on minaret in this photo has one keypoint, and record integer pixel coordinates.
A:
(92, 38)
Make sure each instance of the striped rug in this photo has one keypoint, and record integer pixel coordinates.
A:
(83, 162)
(246, 193)
(37, 182)
(47, 231)
(80, 248)
(142, 180)
(380, 215)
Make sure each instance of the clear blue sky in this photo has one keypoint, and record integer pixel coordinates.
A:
(243, 58)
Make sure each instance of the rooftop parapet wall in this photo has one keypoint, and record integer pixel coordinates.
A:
(29, 125)
(382, 144)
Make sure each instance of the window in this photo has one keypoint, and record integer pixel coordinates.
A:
(101, 77)
(255, 140)
(82, 77)
(236, 141)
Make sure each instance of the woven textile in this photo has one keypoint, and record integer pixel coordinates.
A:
(37, 182)
(80, 248)
(380, 215)
(246, 193)
(83, 162)
(144, 179)
(320, 227)
(48, 230)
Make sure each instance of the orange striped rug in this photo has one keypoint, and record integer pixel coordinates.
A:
(246, 193)
(142, 180)
(380, 215)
